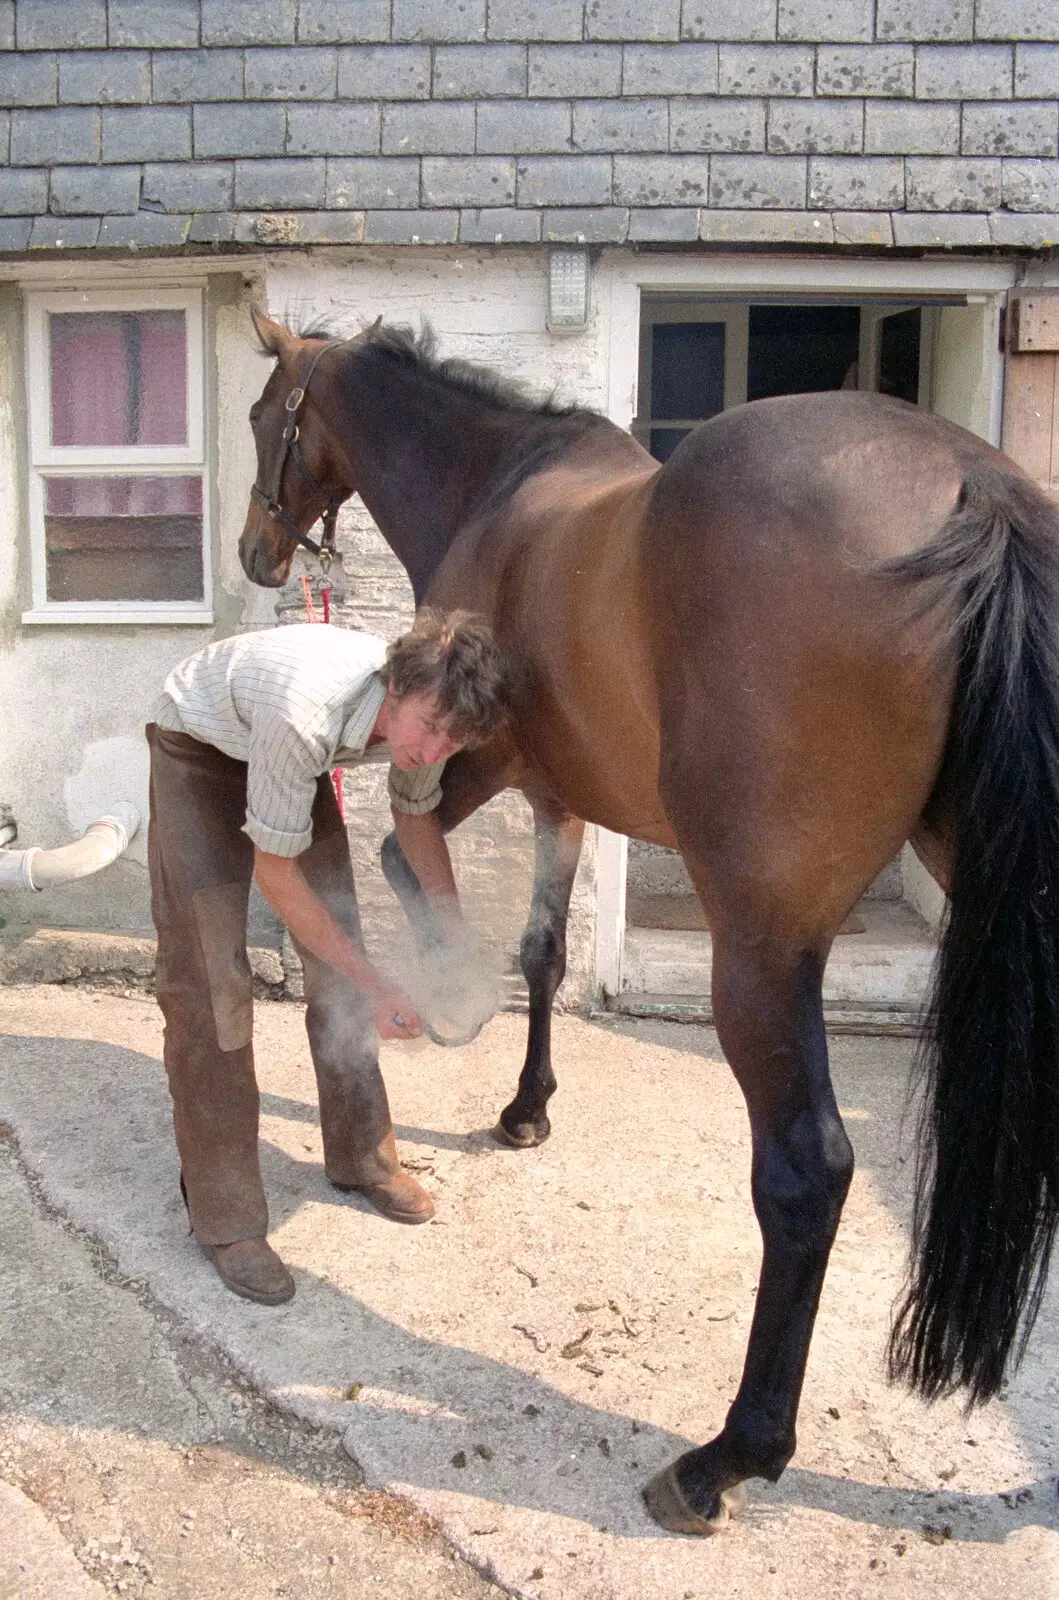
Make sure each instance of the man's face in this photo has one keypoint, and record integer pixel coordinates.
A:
(417, 735)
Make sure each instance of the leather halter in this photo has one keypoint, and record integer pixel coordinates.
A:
(269, 498)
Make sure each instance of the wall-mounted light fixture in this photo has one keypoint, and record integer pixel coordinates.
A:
(569, 277)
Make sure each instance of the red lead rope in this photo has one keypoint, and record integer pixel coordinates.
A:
(310, 612)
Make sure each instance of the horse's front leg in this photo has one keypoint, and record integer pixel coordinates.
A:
(769, 1018)
(542, 954)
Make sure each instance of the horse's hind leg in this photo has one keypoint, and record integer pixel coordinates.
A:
(558, 837)
(769, 1018)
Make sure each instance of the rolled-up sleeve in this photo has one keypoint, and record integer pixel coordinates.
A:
(282, 770)
(276, 841)
(418, 791)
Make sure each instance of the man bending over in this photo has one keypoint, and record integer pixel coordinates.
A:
(244, 739)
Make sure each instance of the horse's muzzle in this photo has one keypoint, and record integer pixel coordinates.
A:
(259, 564)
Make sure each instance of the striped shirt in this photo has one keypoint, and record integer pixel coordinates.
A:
(292, 703)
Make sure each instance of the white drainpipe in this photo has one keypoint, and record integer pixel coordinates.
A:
(101, 844)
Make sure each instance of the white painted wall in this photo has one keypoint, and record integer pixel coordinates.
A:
(74, 699)
(968, 366)
(966, 386)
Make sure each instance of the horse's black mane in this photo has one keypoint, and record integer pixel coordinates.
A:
(419, 352)
(553, 427)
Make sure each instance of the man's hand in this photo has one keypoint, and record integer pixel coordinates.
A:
(395, 1014)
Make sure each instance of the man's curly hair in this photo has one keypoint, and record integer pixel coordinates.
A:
(453, 656)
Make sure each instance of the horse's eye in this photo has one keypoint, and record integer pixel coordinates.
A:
(255, 413)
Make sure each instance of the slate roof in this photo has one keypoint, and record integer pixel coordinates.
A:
(162, 124)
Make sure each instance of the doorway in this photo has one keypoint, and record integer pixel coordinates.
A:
(700, 356)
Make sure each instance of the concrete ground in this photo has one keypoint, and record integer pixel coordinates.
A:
(135, 1461)
(573, 1318)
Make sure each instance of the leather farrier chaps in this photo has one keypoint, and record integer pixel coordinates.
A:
(201, 868)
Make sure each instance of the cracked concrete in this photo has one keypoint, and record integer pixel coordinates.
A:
(575, 1316)
(135, 1462)
(36, 1563)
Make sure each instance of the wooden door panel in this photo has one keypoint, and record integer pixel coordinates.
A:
(1031, 388)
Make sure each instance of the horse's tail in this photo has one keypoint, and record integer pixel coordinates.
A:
(987, 1194)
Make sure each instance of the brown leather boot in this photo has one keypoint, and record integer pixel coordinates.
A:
(371, 1168)
(399, 1199)
(252, 1269)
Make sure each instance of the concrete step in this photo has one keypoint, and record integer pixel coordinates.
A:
(884, 969)
(874, 1021)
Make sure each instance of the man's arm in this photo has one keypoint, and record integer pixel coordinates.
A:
(423, 842)
(284, 887)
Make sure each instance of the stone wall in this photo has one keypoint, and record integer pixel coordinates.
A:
(177, 123)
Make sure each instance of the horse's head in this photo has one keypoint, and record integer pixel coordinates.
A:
(301, 473)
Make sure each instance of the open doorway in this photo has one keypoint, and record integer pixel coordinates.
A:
(701, 356)
(801, 349)
(698, 357)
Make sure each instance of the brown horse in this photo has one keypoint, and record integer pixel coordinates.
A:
(829, 624)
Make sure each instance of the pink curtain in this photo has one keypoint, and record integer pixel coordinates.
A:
(163, 410)
(124, 497)
(119, 378)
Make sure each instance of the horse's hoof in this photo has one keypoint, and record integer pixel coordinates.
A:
(665, 1500)
(521, 1135)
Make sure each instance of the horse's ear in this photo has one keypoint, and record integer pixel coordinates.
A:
(275, 338)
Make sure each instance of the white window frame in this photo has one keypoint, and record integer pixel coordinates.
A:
(47, 459)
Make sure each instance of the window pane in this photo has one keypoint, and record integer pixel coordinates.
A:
(119, 378)
(123, 538)
(687, 370)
